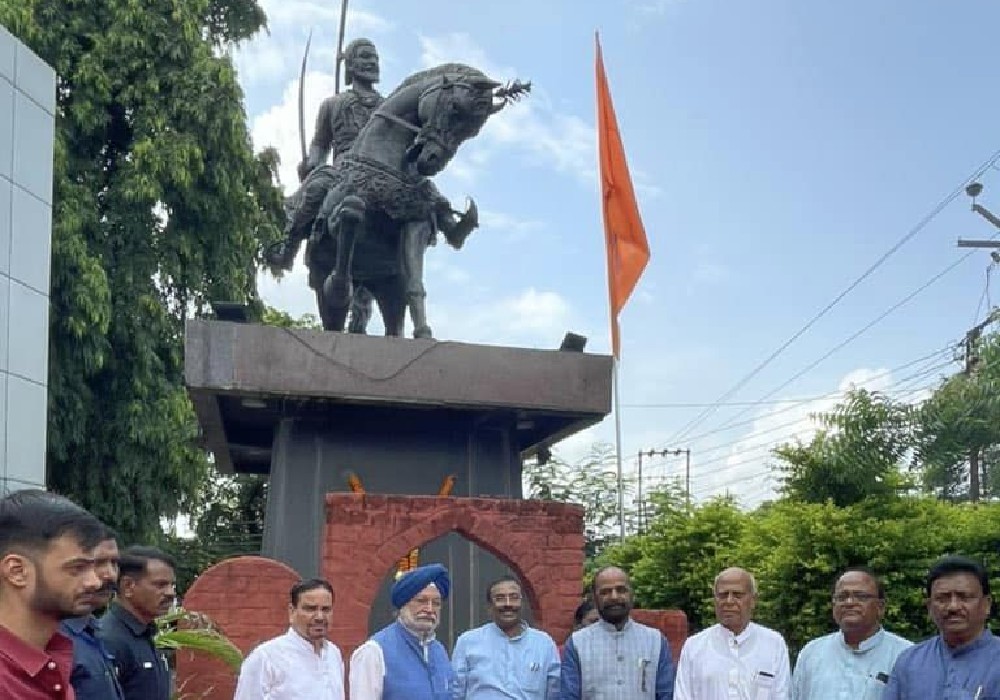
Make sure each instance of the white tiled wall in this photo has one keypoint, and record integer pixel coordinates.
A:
(27, 105)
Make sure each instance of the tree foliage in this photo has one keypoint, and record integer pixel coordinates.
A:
(866, 441)
(795, 551)
(591, 482)
(160, 207)
(962, 415)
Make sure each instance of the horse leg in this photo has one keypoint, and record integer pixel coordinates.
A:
(391, 304)
(361, 310)
(346, 222)
(416, 236)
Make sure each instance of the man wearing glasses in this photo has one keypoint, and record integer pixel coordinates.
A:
(960, 663)
(505, 658)
(854, 662)
(735, 658)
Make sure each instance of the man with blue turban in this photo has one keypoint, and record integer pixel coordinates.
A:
(404, 661)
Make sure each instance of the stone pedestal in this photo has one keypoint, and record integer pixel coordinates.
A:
(310, 408)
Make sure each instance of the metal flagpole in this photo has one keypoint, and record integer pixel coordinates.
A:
(618, 453)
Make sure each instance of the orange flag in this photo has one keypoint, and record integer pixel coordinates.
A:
(624, 235)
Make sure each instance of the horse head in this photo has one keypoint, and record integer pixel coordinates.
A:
(452, 110)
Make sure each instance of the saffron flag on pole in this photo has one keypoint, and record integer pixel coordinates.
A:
(624, 235)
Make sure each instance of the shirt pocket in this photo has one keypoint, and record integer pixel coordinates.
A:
(532, 674)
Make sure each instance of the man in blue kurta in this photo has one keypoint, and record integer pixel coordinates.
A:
(616, 658)
(961, 661)
(505, 659)
(404, 661)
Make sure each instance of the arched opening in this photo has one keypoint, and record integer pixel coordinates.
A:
(466, 605)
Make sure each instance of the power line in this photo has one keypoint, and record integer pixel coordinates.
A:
(736, 424)
(986, 165)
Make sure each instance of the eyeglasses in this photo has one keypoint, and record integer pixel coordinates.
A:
(857, 596)
(500, 598)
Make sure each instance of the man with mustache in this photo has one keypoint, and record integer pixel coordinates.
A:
(46, 575)
(93, 676)
(855, 661)
(505, 658)
(961, 661)
(146, 582)
(301, 663)
(404, 661)
(616, 657)
(736, 657)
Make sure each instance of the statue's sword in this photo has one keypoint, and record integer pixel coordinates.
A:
(340, 47)
(302, 92)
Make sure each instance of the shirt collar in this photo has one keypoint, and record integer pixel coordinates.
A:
(866, 645)
(736, 639)
(303, 643)
(134, 624)
(83, 623)
(982, 640)
(608, 627)
(31, 659)
(518, 636)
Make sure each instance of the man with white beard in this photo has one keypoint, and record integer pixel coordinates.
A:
(404, 661)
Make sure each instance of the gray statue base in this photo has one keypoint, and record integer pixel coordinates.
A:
(310, 408)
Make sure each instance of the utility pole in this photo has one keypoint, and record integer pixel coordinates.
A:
(687, 478)
(972, 337)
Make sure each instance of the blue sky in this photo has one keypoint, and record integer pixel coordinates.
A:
(779, 149)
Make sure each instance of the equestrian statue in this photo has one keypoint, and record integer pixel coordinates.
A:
(368, 218)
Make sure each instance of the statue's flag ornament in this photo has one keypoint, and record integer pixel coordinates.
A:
(624, 235)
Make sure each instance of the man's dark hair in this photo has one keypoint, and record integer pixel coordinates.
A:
(135, 560)
(582, 610)
(31, 519)
(109, 534)
(309, 584)
(496, 582)
(956, 564)
(879, 584)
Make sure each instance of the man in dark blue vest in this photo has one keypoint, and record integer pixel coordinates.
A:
(404, 661)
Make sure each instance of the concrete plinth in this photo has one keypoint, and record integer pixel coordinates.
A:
(311, 407)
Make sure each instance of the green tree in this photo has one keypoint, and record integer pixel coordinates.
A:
(591, 482)
(960, 419)
(858, 455)
(160, 207)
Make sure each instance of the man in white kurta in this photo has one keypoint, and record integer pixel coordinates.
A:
(853, 663)
(302, 663)
(735, 658)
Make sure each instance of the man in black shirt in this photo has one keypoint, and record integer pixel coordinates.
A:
(145, 591)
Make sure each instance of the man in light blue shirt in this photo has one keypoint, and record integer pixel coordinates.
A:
(854, 663)
(505, 659)
(961, 663)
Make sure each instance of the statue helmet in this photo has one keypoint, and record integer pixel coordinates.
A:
(348, 56)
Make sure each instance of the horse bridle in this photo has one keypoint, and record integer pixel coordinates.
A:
(430, 131)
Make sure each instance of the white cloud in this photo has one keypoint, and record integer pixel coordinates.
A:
(278, 53)
(511, 227)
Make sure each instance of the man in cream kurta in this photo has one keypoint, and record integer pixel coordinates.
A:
(301, 663)
(735, 658)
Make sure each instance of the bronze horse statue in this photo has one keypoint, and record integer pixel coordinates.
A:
(370, 216)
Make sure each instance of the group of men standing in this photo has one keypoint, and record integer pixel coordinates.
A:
(59, 566)
(614, 657)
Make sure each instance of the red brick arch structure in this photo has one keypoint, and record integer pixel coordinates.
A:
(366, 535)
